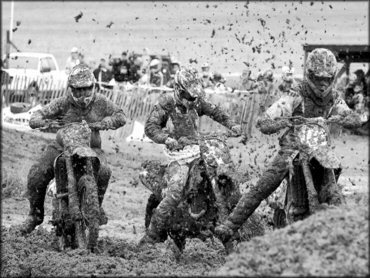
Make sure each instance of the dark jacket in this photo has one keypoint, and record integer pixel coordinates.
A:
(185, 121)
(63, 108)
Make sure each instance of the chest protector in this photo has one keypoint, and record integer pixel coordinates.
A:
(312, 106)
(185, 122)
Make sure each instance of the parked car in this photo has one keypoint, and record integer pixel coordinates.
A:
(31, 69)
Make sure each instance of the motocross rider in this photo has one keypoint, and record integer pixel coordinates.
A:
(184, 107)
(80, 103)
(313, 98)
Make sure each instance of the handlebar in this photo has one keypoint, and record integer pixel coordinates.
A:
(184, 141)
(299, 120)
(58, 124)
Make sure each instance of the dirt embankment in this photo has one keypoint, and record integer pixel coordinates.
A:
(332, 242)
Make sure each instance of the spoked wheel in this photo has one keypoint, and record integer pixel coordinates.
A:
(90, 210)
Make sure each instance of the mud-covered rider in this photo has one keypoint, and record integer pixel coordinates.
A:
(313, 98)
(80, 103)
(184, 107)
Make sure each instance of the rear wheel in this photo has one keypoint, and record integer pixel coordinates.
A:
(90, 210)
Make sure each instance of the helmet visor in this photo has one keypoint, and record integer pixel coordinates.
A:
(82, 92)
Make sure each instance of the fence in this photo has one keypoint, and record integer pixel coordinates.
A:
(137, 102)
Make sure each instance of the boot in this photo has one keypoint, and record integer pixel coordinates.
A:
(103, 219)
(225, 231)
(103, 181)
(35, 218)
(153, 234)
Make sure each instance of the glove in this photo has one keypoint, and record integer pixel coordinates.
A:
(336, 119)
(284, 123)
(237, 130)
(39, 123)
(320, 120)
(171, 143)
(102, 125)
(184, 141)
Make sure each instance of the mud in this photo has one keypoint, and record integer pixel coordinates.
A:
(37, 255)
(125, 201)
(332, 242)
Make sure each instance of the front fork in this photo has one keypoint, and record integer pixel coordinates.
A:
(74, 201)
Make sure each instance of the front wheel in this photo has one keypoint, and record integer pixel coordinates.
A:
(90, 210)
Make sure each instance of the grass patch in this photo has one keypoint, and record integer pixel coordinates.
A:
(11, 185)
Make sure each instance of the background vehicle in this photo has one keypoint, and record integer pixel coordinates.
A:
(32, 69)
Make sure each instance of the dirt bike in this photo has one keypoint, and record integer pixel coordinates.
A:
(76, 213)
(211, 173)
(310, 166)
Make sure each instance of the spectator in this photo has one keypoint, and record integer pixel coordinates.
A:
(288, 79)
(72, 60)
(125, 60)
(175, 67)
(166, 71)
(219, 82)
(120, 68)
(81, 58)
(155, 74)
(103, 75)
(136, 69)
(356, 92)
(206, 76)
(123, 75)
(266, 86)
(247, 83)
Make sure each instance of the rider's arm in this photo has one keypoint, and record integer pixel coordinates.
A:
(283, 107)
(50, 111)
(348, 117)
(156, 121)
(215, 113)
(114, 117)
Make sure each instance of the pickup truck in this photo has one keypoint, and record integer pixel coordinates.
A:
(39, 70)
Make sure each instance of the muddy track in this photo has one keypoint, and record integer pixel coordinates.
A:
(36, 255)
(124, 203)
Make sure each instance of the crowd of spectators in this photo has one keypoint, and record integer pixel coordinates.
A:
(129, 68)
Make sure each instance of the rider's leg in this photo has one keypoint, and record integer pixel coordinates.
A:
(177, 175)
(267, 184)
(104, 175)
(39, 176)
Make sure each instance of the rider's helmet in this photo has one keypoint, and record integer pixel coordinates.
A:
(321, 67)
(187, 86)
(287, 73)
(81, 82)
(268, 75)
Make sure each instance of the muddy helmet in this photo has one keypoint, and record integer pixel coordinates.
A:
(321, 62)
(81, 81)
(187, 85)
(321, 67)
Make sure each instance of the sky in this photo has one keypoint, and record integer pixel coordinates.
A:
(228, 35)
